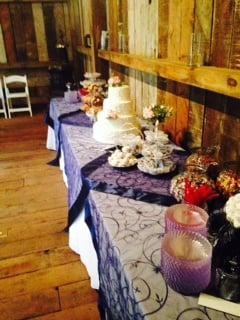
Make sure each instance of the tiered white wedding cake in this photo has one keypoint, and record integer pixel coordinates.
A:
(117, 117)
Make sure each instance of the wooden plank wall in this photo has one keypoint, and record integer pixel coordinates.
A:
(163, 28)
(29, 32)
(85, 14)
(99, 23)
(42, 24)
(222, 114)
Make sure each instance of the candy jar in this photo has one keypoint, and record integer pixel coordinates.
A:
(228, 180)
(203, 160)
(193, 187)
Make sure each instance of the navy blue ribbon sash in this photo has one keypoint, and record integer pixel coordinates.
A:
(88, 183)
(66, 119)
(49, 121)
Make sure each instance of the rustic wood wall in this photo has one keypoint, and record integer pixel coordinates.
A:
(86, 29)
(29, 32)
(92, 15)
(163, 28)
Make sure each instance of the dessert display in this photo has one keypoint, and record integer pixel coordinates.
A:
(228, 182)
(93, 101)
(92, 78)
(156, 137)
(156, 166)
(117, 117)
(92, 75)
(135, 143)
(122, 158)
(156, 152)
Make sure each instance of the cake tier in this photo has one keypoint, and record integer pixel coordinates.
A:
(120, 107)
(110, 130)
(121, 93)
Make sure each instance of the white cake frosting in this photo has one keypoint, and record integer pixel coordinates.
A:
(118, 100)
(120, 93)
(117, 117)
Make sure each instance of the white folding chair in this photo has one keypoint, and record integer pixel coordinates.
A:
(2, 106)
(16, 79)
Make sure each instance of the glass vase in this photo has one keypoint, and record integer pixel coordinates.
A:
(186, 261)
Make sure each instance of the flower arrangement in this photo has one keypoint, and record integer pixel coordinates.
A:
(93, 101)
(156, 112)
(115, 81)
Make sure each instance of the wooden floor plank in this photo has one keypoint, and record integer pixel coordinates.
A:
(40, 277)
(36, 261)
(11, 184)
(27, 246)
(28, 173)
(23, 154)
(30, 207)
(29, 305)
(30, 194)
(29, 230)
(84, 312)
(74, 294)
(34, 218)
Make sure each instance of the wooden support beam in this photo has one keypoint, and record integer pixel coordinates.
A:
(33, 1)
(221, 80)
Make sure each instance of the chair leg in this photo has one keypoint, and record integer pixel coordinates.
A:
(9, 105)
(29, 106)
(4, 108)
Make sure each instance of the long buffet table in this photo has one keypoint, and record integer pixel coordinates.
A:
(116, 223)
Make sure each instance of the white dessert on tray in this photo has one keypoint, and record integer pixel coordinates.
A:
(122, 158)
(156, 137)
(150, 166)
(156, 158)
(92, 75)
(92, 78)
(118, 117)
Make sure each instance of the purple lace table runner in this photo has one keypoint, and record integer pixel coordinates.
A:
(58, 107)
(131, 182)
(87, 169)
(68, 113)
(128, 235)
(79, 149)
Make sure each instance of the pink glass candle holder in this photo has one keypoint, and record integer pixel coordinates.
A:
(186, 217)
(186, 261)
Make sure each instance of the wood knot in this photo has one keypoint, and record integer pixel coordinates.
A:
(232, 82)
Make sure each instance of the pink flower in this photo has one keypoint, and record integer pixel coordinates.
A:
(114, 81)
(111, 114)
(148, 113)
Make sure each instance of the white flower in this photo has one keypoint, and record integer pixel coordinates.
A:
(232, 210)
(114, 81)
